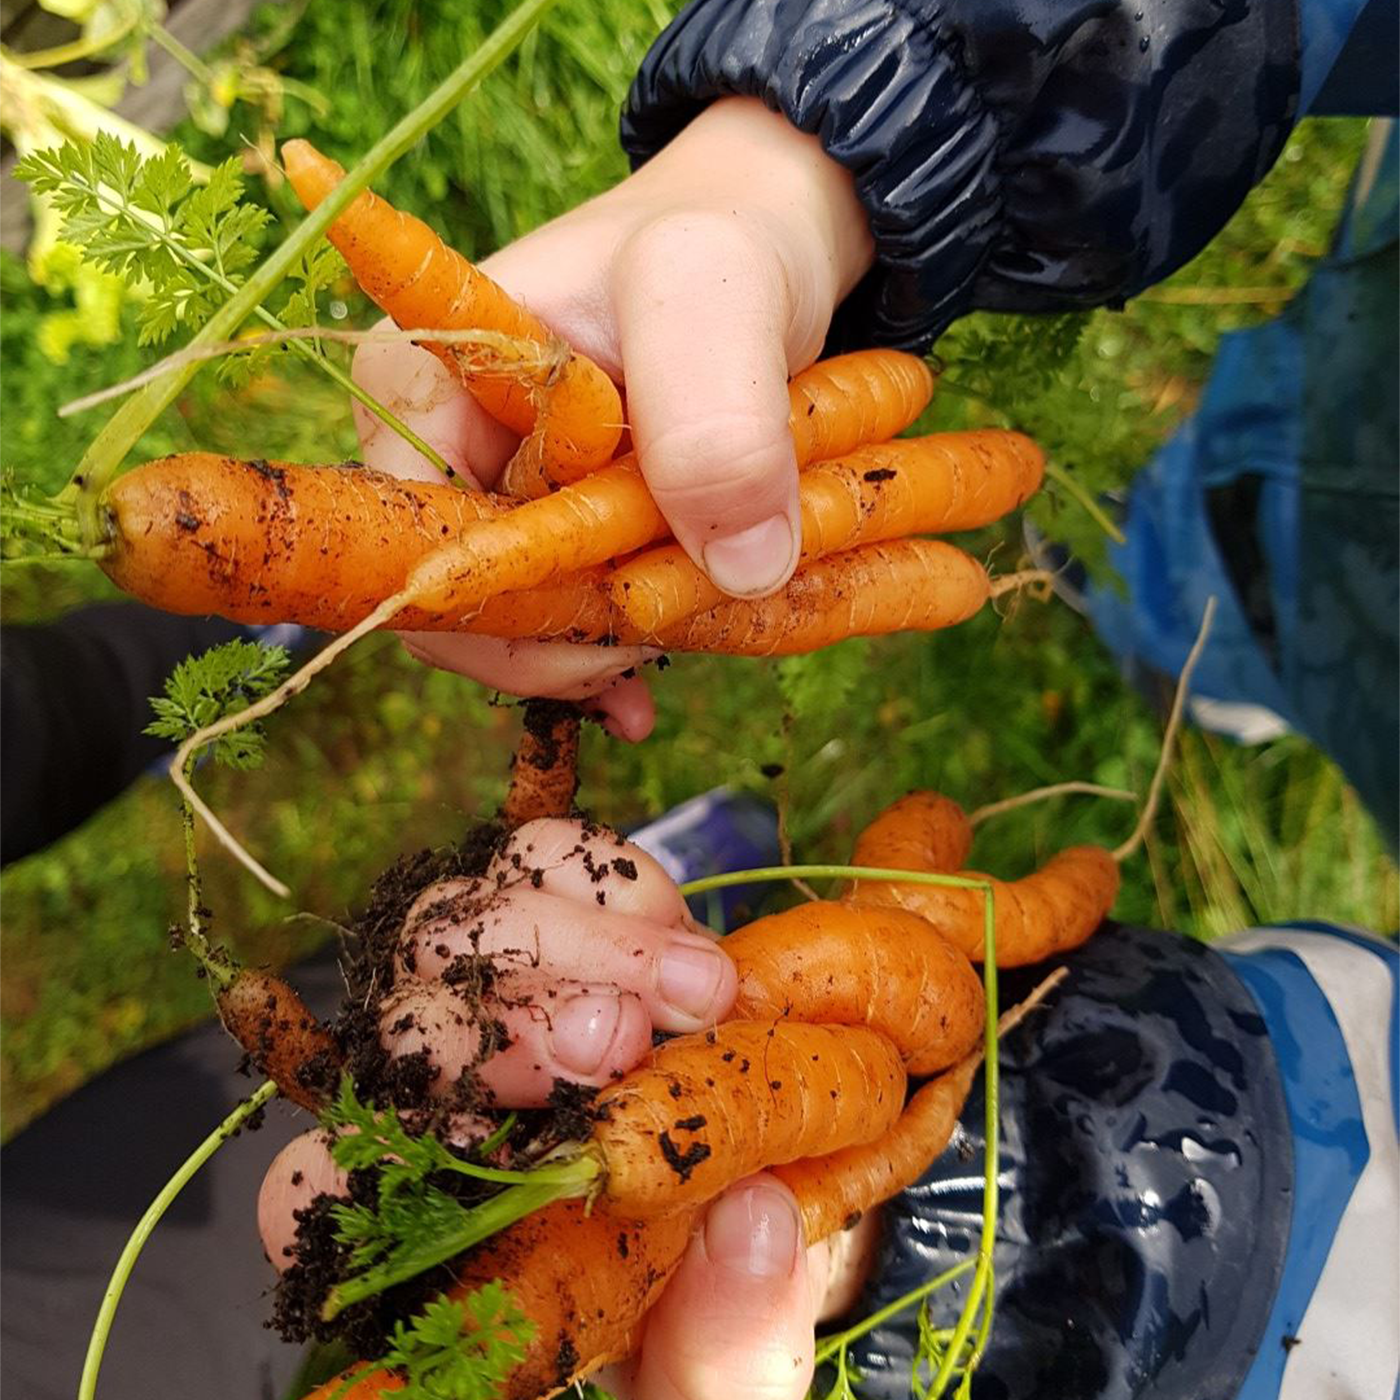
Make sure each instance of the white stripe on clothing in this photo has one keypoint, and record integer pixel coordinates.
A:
(1349, 1332)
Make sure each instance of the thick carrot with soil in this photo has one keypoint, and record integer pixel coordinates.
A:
(408, 271)
(273, 541)
(544, 771)
(709, 1109)
(906, 585)
(841, 964)
(950, 481)
(323, 546)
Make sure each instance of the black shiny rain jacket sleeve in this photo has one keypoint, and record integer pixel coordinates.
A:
(1013, 155)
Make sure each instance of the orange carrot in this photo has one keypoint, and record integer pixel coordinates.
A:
(842, 403)
(587, 1279)
(322, 546)
(274, 542)
(921, 831)
(839, 964)
(950, 481)
(709, 1109)
(281, 1035)
(907, 585)
(544, 771)
(1048, 912)
(837, 1188)
(608, 514)
(413, 275)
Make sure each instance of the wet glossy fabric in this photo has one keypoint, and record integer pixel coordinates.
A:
(1147, 1174)
(1019, 155)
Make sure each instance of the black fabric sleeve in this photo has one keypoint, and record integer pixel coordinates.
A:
(74, 700)
(1015, 155)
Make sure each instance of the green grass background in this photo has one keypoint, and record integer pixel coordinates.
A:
(382, 756)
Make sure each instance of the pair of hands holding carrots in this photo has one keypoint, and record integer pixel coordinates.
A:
(701, 284)
(580, 986)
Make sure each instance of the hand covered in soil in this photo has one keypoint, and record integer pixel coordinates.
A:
(558, 964)
(700, 283)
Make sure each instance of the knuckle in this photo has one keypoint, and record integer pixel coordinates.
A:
(729, 454)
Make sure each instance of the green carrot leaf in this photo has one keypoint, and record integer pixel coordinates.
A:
(221, 681)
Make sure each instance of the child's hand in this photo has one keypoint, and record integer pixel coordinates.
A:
(579, 985)
(701, 283)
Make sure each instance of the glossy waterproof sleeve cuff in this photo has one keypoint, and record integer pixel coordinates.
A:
(884, 94)
(1012, 155)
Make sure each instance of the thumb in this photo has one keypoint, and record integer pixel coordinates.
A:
(737, 1318)
(702, 313)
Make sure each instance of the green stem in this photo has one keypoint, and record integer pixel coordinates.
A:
(827, 872)
(838, 1341)
(1096, 512)
(124, 428)
(97, 1344)
(217, 965)
(77, 49)
(189, 61)
(480, 1222)
(982, 1278)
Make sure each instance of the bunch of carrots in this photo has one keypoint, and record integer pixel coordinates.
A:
(574, 548)
(841, 1003)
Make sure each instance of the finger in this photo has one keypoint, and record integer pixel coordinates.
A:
(418, 388)
(849, 1260)
(702, 322)
(625, 709)
(558, 670)
(520, 1040)
(299, 1173)
(685, 980)
(737, 1318)
(574, 860)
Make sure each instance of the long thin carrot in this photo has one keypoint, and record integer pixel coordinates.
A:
(839, 964)
(840, 1186)
(1044, 913)
(422, 283)
(836, 405)
(906, 585)
(602, 517)
(915, 486)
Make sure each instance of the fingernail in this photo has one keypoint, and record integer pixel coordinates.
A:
(689, 977)
(754, 561)
(754, 1232)
(583, 1028)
